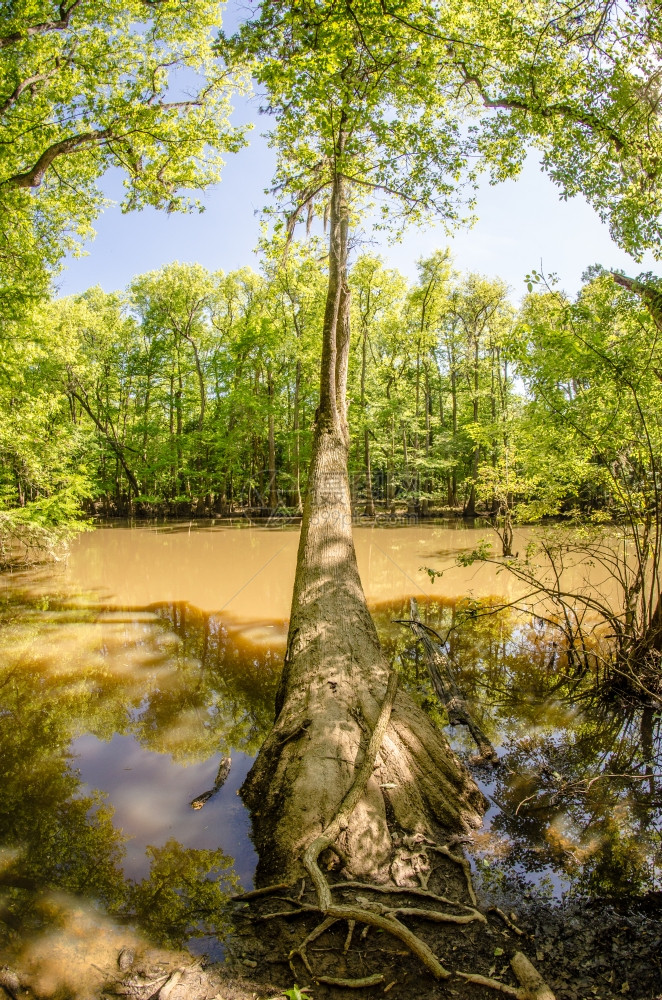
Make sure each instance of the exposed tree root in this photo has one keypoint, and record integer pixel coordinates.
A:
(395, 889)
(532, 985)
(384, 923)
(341, 819)
(494, 984)
(395, 928)
(351, 924)
(436, 916)
(352, 984)
(326, 839)
(299, 909)
(266, 890)
(384, 917)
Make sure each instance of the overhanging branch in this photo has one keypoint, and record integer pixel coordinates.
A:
(42, 27)
(579, 116)
(33, 177)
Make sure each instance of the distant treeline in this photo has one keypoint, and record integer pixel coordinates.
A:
(194, 393)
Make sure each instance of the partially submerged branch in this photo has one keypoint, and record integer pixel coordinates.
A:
(446, 689)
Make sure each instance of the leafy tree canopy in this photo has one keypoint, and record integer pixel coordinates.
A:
(88, 85)
(357, 93)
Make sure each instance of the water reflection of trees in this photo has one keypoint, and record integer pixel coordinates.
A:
(179, 684)
(577, 788)
(221, 695)
(187, 684)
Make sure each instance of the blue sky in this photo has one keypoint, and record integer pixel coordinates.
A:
(522, 224)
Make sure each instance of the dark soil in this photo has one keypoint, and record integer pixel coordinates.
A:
(585, 950)
(477, 947)
(599, 948)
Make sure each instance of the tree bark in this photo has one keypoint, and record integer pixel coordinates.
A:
(335, 672)
(273, 492)
(296, 471)
(369, 500)
(470, 508)
(201, 379)
(369, 497)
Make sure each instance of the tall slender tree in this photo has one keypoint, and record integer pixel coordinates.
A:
(363, 107)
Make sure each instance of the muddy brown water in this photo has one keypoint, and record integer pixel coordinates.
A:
(129, 670)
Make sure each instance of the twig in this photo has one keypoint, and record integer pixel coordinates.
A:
(295, 730)
(523, 801)
(352, 984)
(301, 949)
(506, 919)
(351, 924)
(301, 908)
(494, 984)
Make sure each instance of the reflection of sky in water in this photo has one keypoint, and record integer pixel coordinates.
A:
(150, 795)
(549, 877)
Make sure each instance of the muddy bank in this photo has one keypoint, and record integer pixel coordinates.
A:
(584, 949)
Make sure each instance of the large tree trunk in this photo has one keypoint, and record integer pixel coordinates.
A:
(333, 682)
(335, 673)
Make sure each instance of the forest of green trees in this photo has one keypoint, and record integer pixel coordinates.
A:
(193, 393)
(199, 394)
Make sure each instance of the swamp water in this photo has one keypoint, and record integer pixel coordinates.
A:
(127, 673)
